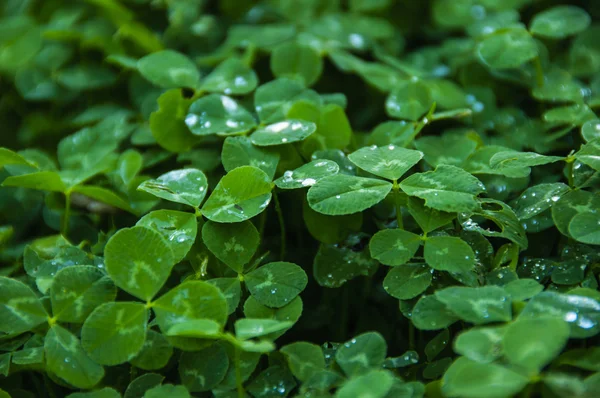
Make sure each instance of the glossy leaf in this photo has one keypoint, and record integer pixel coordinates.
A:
(284, 132)
(218, 114)
(234, 244)
(186, 186)
(21, 310)
(169, 69)
(394, 246)
(307, 175)
(231, 77)
(389, 162)
(276, 284)
(560, 22)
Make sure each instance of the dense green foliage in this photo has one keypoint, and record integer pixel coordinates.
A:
(303, 198)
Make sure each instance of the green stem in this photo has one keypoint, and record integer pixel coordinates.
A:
(281, 225)
(238, 374)
(261, 226)
(397, 200)
(570, 178)
(67, 214)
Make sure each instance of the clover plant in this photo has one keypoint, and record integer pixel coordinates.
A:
(299, 198)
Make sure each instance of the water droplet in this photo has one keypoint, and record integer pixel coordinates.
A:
(336, 196)
(570, 316)
(191, 120)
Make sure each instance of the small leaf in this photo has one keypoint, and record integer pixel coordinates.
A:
(448, 253)
(536, 199)
(20, 309)
(585, 228)
(273, 381)
(199, 328)
(288, 313)
(249, 328)
(559, 22)
(284, 132)
(428, 219)
(167, 123)
(482, 344)
(533, 343)
(590, 131)
(307, 175)
(571, 204)
(231, 77)
(66, 358)
(138, 387)
(76, 291)
(478, 305)
(234, 244)
(304, 359)
(431, 314)
(105, 392)
(407, 281)
(177, 228)
(186, 186)
(167, 390)
(115, 332)
(155, 352)
(139, 261)
(333, 266)
(523, 289)
(276, 284)
(342, 194)
(169, 69)
(203, 370)
(8, 157)
(296, 61)
(239, 151)
(447, 188)
(389, 161)
(590, 154)
(42, 180)
(358, 355)
(218, 114)
(274, 99)
(231, 289)
(190, 301)
(394, 246)
(469, 379)
(103, 195)
(375, 384)
(507, 48)
(240, 195)
(410, 100)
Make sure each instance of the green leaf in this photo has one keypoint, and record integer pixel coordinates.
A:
(8, 157)
(296, 61)
(42, 180)
(539, 198)
(276, 284)
(275, 381)
(482, 344)
(571, 204)
(218, 114)
(288, 313)
(231, 77)
(20, 309)
(533, 343)
(478, 305)
(76, 291)
(103, 195)
(249, 328)
(169, 69)
(585, 228)
(373, 384)
(274, 99)
(167, 123)
(428, 219)
(190, 301)
(239, 151)
(389, 161)
(240, 195)
(394, 246)
(447, 188)
(448, 253)
(407, 281)
(431, 314)
(139, 261)
(583, 358)
(231, 289)
(522, 289)
(66, 358)
(410, 100)
(307, 175)
(138, 387)
(449, 148)
(437, 345)
(177, 228)
(559, 22)
(514, 159)
(85, 77)
(507, 48)
(343, 194)
(304, 359)
(284, 132)
(155, 353)
(114, 333)
(105, 392)
(590, 154)
(590, 131)
(469, 379)
(199, 328)
(358, 355)
(167, 390)
(234, 244)
(203, 370)
(333, 266)
(186, 186)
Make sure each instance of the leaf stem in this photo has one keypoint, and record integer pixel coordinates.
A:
(570, 179)
(238, 374)
(397, 201)
(281, 225)
(66, 215)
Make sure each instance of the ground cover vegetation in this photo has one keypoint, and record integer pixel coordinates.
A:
(302, 198)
